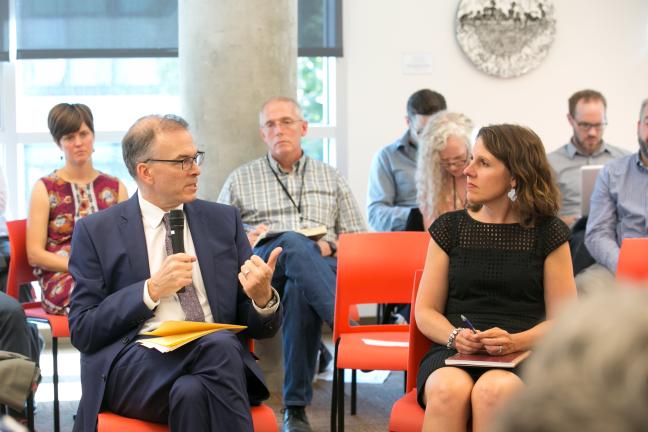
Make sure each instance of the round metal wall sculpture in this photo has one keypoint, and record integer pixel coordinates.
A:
(506, 38)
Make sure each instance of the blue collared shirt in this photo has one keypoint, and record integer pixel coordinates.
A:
(618, 208)
(392, 186)
(566, 162)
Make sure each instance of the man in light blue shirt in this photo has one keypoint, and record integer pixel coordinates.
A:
(587, 117)
(392, 188)
(618, 209)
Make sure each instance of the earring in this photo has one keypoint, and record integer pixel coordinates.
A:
(511, 194)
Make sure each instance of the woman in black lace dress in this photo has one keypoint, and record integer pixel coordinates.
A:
(504, 263)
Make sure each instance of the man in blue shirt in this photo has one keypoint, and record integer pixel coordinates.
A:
(587, 117)
(618, 209)
(392, 188)
(391, 195)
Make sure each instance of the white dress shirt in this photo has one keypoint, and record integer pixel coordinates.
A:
(169, 308)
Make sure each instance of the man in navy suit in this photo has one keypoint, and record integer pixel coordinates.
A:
(128, 282)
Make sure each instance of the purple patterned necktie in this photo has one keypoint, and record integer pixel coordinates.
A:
(188, 297)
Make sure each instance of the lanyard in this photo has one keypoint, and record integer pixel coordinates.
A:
(298, 206)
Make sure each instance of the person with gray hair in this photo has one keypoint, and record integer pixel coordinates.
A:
(285, 191)
(444, 148)
(164, 255)
(586, 374)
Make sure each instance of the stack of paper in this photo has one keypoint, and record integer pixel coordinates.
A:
(174, 334)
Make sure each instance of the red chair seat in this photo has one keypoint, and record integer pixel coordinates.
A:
(58, 323)
(632, 266)
(353, 353)
(406, 414)
(263, 419)
(108, 421)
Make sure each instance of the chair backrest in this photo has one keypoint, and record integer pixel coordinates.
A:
(632, 265)
(20, 272)
(375, 268)
(418, 342)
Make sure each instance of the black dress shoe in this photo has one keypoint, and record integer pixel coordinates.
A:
(295, 420)
(325, 358)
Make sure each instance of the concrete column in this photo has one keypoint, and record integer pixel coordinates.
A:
(234, 54)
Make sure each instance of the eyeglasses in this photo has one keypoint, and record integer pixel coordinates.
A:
(186, 163)
(458, 163)
(584, 126)
(285, 122)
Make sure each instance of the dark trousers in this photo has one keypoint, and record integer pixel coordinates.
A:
(306, 282)
(16, 335)
(199, 387)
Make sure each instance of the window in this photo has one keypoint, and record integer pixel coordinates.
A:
(40, 159)
(71, 64)
(316, 95)
(4, 30)
(117, 90)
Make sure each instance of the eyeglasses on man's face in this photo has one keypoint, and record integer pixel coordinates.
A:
(186, 164)
(284, 123)
(586, 127)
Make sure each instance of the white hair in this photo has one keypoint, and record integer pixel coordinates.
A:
(430, 177)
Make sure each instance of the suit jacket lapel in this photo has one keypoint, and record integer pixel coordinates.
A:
(132, 233)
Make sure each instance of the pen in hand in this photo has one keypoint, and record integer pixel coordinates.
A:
(469, 324)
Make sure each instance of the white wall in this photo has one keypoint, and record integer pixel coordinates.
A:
(599, 44)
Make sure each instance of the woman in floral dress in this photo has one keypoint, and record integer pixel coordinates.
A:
(61, 198)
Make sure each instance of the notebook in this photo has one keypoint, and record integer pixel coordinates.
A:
(588, 179)
(485, 360)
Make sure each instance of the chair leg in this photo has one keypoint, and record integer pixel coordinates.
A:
(30, 412)
(404, 382)
(334, 390)
(55, 380)
(354, 387)
(340, 400)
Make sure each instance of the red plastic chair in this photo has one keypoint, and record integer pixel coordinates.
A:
(263, 419)
(406, 414)
(372, 268)
(20, 272)
(632, 266)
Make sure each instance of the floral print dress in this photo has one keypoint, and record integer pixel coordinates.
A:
(68, 202)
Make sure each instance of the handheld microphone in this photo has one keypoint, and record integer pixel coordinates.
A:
(176, 222)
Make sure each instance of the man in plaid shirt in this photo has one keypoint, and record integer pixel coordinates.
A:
(284, 191)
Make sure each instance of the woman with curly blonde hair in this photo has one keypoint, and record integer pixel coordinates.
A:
(443, 153)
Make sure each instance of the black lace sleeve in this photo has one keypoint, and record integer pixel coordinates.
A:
(442, 231)
(557, 233)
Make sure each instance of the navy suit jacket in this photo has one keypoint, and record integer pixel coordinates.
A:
(109, 263)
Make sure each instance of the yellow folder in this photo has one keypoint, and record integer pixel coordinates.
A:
(174, 334)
